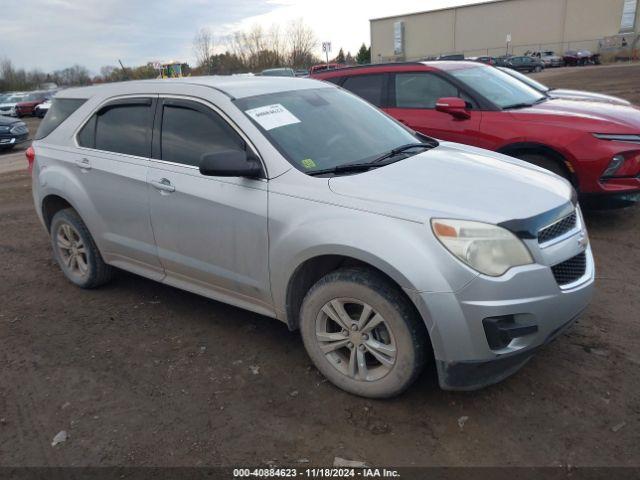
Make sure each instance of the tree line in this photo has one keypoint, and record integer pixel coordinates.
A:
(257, 49)
(254, 50)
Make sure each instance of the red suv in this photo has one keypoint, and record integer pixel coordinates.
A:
(30, 102)
(596, 146)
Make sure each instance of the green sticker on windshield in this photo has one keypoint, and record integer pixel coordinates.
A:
(308, 163)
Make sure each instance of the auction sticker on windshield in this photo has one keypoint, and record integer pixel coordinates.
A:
(272, 116)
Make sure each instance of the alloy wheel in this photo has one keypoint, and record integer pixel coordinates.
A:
(72, 251)
(355, 339)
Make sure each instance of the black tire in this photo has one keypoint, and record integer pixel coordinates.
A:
(404, 329)
(544, 161)
(6, 149)
(538, 69)
(97, 272)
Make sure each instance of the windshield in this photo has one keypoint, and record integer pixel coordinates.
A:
(324, 128)
(523, 78)
(498, 87)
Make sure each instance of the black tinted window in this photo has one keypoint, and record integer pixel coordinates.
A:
(125, 128)
(87, 136)
(368, 87)
(421, 90)
(61, 109)
(188, 134)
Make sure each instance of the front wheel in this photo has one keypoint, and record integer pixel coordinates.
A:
(362, 333)
(545, 162)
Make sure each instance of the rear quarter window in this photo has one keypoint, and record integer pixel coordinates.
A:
(61, 109)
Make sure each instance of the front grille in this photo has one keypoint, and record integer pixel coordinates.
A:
(19, 130)
(559, 228)
(570, 270)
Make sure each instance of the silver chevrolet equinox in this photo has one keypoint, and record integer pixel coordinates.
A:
(297, 200)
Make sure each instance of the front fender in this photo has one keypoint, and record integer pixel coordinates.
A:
(404, 250)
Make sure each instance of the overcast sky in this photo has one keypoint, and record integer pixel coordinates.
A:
(52, 34)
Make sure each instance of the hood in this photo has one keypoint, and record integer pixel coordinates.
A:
(4, 121)
(456, 181)
(595, 116)
(588, 96)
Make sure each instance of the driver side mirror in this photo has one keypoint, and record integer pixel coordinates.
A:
(454, 106)
(231, 163)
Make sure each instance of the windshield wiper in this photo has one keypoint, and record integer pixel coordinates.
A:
(402, 149)
(376, 162)
(524, 104)
(518, 105)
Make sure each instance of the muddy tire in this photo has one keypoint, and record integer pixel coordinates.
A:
(363, 334)
(76, 252)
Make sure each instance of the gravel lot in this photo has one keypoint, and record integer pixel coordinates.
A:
(139, 373)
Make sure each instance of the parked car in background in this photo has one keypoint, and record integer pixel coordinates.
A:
(8, 105)
(299, 201)
(321, 67)
(451, 57)
(12, 132)
(302, 73)
(524, 64)
(42, 109)
(581, 57)
(564, 93)
(30, 101)
(502, 60)
(594, 145)
(278, 72)
(485, 60)
(548, 58)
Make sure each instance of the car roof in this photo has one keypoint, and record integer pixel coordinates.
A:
(232, 86)
(446, 65)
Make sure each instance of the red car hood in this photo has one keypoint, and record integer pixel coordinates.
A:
(604, 117)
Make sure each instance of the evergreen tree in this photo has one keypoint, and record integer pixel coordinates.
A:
(340, 58)
(364, 55)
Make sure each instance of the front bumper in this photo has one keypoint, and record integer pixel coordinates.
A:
(529, 295)
(7, 140)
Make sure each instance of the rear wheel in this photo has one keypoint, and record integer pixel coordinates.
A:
(76, 252)
(538, 69)
(362, 333)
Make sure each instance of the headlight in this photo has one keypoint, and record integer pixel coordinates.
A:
(618, 138)
(484, 247)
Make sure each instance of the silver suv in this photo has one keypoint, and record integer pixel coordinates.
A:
(296, 200)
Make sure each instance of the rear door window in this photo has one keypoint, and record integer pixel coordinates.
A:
(61, 109)
(190, 130)
(369, 87)
(123, 126)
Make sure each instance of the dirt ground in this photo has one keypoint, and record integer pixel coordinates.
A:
(139, 373)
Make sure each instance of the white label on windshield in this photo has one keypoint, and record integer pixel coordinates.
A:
(272, 116)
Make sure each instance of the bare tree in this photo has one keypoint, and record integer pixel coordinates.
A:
(203, 49)
(302, 43)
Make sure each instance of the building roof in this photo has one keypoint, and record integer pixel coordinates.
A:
(464, 5)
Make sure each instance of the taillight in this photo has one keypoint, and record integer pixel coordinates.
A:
(31, 156)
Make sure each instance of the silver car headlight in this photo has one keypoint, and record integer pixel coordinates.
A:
(487, 248)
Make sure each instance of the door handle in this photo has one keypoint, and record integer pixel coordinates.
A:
(164, 185)
(84, 164)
